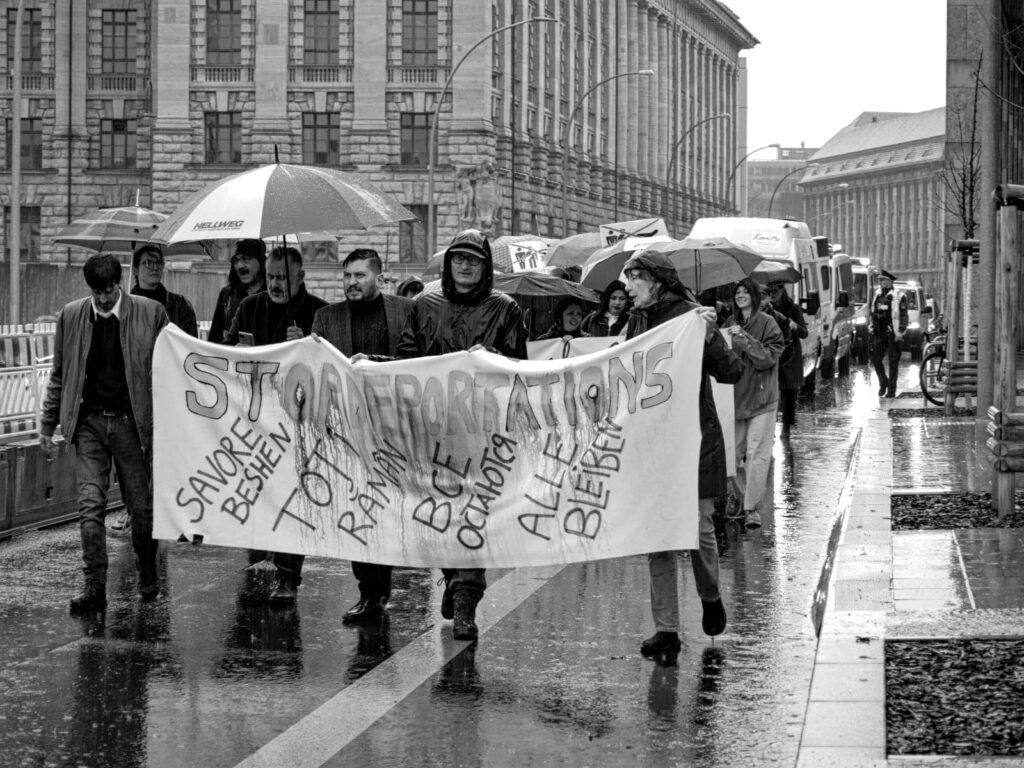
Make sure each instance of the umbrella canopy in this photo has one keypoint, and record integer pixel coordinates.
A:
(536, 284)
(776, 271)
(277, 199)
(605, 264)
(574, 250)
(119, 231)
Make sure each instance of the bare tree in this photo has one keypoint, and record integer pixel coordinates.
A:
(962, 173)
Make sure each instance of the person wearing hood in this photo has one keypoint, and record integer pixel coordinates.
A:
(245, 278)
(466, 314)
(791, 364)
(284, 312)
(611, 317)
(759, 342)
(658, 296)
(568, 317)
(410, 287)
(148, 266)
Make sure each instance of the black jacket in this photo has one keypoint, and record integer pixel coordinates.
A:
(179, 309)
(268, 321)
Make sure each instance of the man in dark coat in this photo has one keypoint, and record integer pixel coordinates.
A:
(467, 313)
(888, 319)
(148, 265)
(791, 364)
(368, 322)
(659, 296)
(284, 312)
(245, 278)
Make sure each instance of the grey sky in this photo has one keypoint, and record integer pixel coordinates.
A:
(820, 63)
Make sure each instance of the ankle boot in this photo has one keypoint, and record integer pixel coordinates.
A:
(660, 643)
(93, 596)
(465, 615)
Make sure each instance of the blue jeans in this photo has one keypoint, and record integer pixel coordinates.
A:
(664, 579)
(100, 441)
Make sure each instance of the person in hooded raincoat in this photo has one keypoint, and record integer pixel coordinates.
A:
(658, 296)
(466, 313)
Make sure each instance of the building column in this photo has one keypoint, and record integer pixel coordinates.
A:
(643, 86)
(632, 88)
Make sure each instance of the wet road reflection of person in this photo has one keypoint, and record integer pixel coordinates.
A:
(263, 638)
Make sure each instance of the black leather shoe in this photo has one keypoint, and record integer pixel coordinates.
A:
(92, 597)
(713, 620)
(890, 393)
(365, 611)
(447, 604)
(882, 390)
(660, 643)
(149, 591)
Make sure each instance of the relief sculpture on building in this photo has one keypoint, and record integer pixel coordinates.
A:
(478, 197)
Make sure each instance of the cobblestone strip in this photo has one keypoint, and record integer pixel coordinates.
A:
(845, 721)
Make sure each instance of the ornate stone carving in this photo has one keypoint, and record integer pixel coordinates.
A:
(479, 197)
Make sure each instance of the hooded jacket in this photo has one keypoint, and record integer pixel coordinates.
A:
(448, 321)
(718, 361)
(141, 322)
(760, 346)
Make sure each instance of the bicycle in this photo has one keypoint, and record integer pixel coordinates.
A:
(935, 370)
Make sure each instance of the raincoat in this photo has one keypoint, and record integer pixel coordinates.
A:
(760, 346)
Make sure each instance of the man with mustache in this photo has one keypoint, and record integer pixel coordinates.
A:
(367, 323)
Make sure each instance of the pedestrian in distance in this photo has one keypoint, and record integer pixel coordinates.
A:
(568, 319)
(791, 362)
(888, 321)
(100, 393)
(284, 312)
(759, 342)
(610, 318)
(466, 314)
(368, 323)
(410, 287)
(245, 278)
(659, 296)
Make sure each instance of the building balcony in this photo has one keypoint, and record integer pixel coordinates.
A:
(417, 75)
(319, 76)
(118, 84)
(30, 81)
(222, 76)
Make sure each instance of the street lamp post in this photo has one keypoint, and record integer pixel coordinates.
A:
(771, 201)
(675, 148)
(572, 118)
(432, 141)
(14, 238)
(732, 173)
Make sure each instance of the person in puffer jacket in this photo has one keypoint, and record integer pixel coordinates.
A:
(658, 296)
(756, 338)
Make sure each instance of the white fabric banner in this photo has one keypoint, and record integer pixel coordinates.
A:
(465, 460)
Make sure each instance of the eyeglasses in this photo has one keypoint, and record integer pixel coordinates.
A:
(467, 258)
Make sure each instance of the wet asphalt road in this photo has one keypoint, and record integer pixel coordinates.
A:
(210, 676)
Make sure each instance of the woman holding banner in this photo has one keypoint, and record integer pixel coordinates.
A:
(658, 296)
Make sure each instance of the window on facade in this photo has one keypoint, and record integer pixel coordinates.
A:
(412, 236)
(28, 247)
(419, 33)
(320, 33)
(223, 131)
(31, 39)
(119, 42)
(117, 143)
(224, 33)
(415, 136)
(321, 133)
(31, 143)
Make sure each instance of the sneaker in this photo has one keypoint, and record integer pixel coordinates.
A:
(660, 643)
(713, 620)
(465, 616)
(285, 593)
(447, 603)
(752, 518)
(91, 597)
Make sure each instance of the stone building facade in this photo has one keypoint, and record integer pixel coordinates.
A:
(163, 97)
(777, 178)
(878, 191)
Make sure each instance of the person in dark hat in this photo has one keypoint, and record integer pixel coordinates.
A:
(245, 278)
(658, 296)
(888, 319)
(410, 287)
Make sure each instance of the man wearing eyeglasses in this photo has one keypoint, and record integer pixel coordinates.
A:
(148, 266)
(466, 314)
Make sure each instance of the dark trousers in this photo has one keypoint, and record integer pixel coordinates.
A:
(102, 441)
(470, 579)
(289, 566)
(787, 404)
(886, 348)
(374, 580)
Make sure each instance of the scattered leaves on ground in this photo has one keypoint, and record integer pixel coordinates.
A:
(931, 511)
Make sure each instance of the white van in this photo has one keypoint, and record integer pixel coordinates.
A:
(823, 294)
(865, 281)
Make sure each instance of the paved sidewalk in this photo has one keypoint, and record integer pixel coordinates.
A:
(890, 585)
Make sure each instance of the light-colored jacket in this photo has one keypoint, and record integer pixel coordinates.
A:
(141, 322)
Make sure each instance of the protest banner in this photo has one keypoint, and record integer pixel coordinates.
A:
(464, 460)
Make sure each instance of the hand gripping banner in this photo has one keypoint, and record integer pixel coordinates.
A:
(465, 460)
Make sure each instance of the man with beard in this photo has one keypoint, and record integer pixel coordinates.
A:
(245, 278)
(466, 314)
(659, 296)
(284, 312)
(367, 323)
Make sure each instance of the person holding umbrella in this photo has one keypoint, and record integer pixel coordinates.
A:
(245, 278)
(659, 296)
(611, 317)
(284, 312)
(148, 266)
